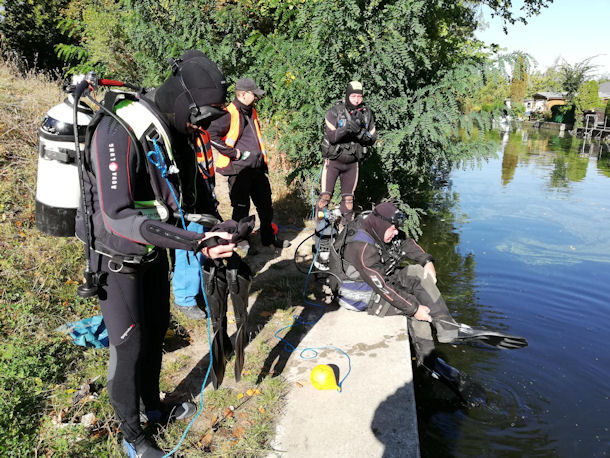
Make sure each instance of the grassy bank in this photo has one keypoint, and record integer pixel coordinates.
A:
(53, 399)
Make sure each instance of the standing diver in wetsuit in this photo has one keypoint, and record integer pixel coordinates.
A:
(132, 193)
(349, 129)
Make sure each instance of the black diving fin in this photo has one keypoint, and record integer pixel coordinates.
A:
(216, 293)
(495, 339)
(470, 392)
(239, 289)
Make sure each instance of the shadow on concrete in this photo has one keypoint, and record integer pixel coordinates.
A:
(279, 355)
(393, 424)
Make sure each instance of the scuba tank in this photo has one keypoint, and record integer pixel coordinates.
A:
(325, 234)
(57, 184)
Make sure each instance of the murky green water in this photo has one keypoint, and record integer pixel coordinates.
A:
(522, 244)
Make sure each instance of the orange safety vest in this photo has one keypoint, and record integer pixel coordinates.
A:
(205, 156)
(223, 164)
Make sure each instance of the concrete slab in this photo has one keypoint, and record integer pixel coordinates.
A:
(374, 415)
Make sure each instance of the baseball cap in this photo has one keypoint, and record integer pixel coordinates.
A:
(248, 84)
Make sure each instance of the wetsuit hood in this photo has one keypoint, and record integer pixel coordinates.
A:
(186, 96)
(380, 219)
(353, 87)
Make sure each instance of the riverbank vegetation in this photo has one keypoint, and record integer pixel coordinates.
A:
(419, 62)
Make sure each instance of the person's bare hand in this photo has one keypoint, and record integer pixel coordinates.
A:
(423, 314)
(218, 251)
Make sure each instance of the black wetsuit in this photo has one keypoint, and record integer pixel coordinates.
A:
(346, 150)
(134, 300)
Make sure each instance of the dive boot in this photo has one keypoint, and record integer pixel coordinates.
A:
(169, 413)
(142, 449)
(471, 392)
(191, 312)
(216, 293)
(239, 288)
(495, 339)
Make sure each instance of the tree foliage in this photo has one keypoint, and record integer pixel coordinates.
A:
(503, 9)
(99, 27)
(518, 85)
(27, 27)
(418, 60)
(588, 96)
(549, 81)
(492, 96)
(572, 76)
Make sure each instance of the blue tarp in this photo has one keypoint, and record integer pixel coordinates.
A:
(90, 332)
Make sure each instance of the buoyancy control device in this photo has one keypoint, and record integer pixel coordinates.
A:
(350, 291)
(57, 185)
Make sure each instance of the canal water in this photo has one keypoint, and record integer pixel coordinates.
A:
(522, 245)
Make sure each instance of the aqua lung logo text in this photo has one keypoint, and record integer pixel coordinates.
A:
(113, 166)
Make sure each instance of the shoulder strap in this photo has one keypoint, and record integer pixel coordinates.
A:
(109, 102)
(340, 108)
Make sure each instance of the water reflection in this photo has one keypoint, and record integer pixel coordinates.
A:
(603, 161)
(522, 244)
(567, 157)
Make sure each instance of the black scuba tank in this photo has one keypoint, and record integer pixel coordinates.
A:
(57, 184)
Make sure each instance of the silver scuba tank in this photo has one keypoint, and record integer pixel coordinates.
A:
(57, 185)
(325, 232)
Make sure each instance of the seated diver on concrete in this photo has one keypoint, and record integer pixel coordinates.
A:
(364, 260)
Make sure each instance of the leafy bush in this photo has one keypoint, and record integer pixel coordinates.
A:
(563, 113)
(518, 110)
(30, 29)
(417, 60)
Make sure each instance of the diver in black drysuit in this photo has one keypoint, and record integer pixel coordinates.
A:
(410, 291)
(120, 187)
